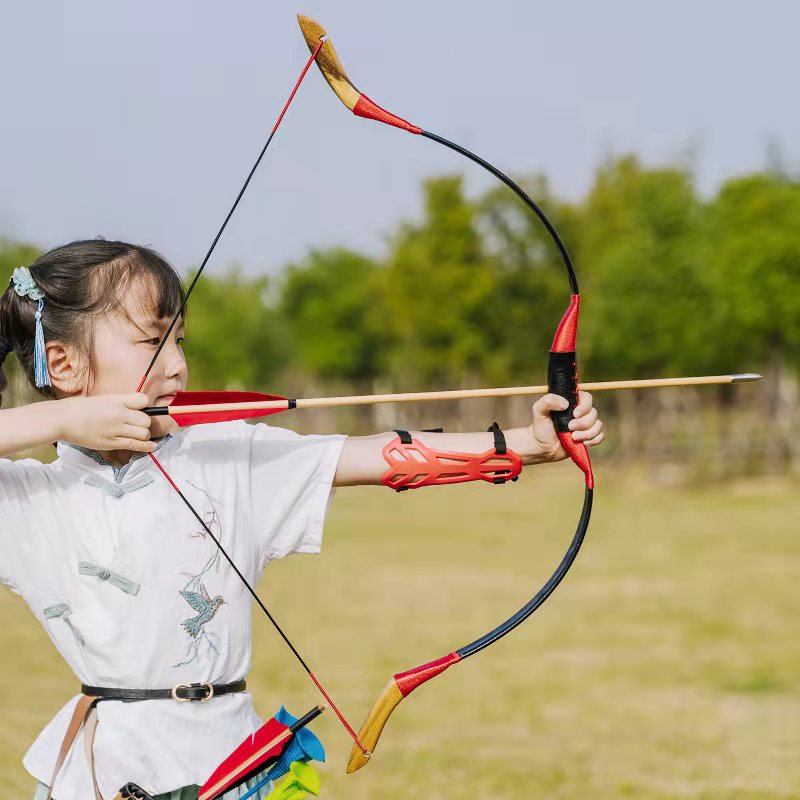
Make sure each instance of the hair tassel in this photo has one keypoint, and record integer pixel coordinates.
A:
(40, 372)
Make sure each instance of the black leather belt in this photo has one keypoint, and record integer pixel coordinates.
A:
(181, 693)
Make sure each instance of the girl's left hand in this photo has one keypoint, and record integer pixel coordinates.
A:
(586, 427)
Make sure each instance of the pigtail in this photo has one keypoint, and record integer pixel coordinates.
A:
(5, 348)
(6, 345)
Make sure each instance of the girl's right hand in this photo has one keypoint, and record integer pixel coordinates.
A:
(107, 422)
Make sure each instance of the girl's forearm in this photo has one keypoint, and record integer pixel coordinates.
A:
(362, 462)
(29, 426)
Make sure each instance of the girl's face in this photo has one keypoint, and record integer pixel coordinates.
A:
(124, 345)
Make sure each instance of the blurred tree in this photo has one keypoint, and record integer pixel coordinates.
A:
(649, 296)
(333, 307)
(15, 254)
(441, 293)
(753, 247)
(753, 261)
(532, 290)
(470, 295)
(235, 337)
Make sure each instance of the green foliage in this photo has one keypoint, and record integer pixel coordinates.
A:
(13, 255)
(440, 292)
(753, 260)
(332, 304)
(648, 293)
(530, 293)
(471, 292)
(235, 338)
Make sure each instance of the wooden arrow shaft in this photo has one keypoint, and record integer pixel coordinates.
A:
(457, 394)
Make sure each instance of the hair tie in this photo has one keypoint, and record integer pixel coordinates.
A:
(25, 286)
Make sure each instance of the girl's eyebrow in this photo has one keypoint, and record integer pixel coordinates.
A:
(163, 324)
(153, 327)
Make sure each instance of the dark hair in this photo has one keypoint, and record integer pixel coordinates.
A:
(82, 281)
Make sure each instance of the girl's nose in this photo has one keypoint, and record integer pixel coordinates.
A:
(174, 362)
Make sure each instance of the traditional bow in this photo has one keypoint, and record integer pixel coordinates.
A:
(562, 380)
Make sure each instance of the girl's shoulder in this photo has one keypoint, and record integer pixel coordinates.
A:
(20, 467)
(237, 431)
(246, 443)
(18, 477)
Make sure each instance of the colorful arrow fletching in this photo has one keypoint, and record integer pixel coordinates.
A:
(214, 398)
(252, 756)
(305, 746)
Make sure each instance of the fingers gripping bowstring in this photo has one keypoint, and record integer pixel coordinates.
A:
(164, 472)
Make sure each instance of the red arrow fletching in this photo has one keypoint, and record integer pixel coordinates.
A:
(253, 755)
(216, 398)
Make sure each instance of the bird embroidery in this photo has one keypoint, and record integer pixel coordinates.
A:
(206, 607)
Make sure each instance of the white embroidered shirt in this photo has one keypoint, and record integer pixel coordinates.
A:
(134, 594)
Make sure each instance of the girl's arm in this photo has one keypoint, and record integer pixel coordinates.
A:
(102, 422)
(362, 461)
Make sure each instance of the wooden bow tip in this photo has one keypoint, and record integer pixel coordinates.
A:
(312, 30)
(328, 61)
(373, 725)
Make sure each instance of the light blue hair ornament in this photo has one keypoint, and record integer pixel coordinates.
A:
(25, 286)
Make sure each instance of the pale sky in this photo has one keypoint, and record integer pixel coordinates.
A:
(139, 120)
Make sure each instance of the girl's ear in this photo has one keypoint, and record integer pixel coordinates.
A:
(66, 369)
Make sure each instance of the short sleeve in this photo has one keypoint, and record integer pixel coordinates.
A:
(19, 481)
(290, 487)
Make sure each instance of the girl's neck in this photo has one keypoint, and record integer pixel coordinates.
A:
(119, 458)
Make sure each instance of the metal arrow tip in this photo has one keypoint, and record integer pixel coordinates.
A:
(746, 377)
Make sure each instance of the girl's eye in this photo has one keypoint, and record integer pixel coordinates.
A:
(180, 340)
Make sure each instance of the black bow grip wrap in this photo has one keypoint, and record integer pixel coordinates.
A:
(562, 379)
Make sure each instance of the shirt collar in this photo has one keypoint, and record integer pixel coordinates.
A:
(80, 456)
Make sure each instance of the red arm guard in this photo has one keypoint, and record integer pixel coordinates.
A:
(412, 464)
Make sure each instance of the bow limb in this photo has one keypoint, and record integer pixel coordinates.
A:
(403, 683)
(562, 379)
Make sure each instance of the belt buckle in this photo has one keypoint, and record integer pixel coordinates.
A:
(207, 686)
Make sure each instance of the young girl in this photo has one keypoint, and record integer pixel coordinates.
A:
(130, 588)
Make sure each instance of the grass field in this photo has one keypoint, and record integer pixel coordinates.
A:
(666, 666)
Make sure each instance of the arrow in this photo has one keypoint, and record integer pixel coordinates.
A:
(196, 408)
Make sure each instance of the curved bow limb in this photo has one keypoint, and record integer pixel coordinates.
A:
(399, 686)
(562, 380)
(332, 70)
(402, 684)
